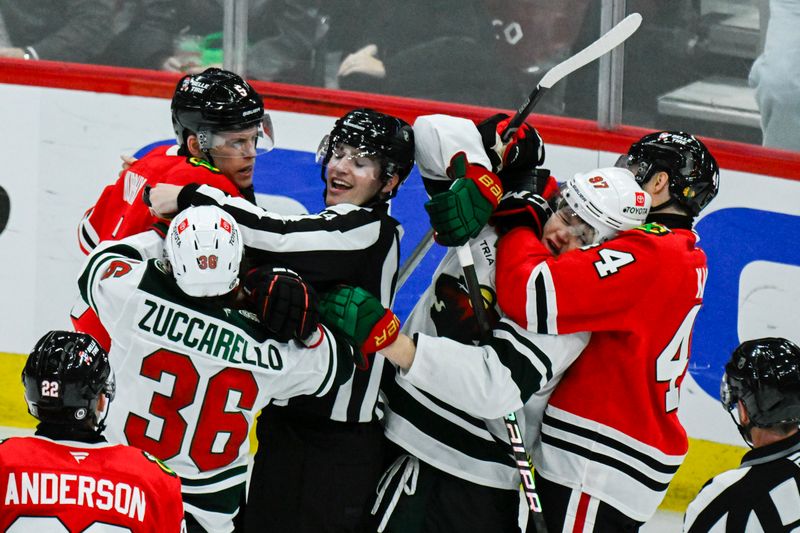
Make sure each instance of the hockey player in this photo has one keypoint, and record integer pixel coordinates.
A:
(67, 477)
(218, 120)
(193, 370)
(455, 471)
(762, 384)
(656, 272)
(365, 158)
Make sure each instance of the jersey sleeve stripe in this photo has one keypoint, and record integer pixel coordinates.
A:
(442, 430)
(160, 228)
(450, 409)
(222, 476)
(540, 306)
(530, 367)
(340, 362)
(87, 236)
(225, 501)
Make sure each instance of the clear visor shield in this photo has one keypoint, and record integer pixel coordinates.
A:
(575, 225)
(341, 152)
(249, 142)
(726, 394)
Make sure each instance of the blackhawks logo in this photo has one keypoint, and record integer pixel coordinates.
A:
(653, 228)
(197, 162)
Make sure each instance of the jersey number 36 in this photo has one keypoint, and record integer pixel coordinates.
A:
(213, 420)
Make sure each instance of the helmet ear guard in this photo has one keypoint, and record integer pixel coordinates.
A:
(204, 248)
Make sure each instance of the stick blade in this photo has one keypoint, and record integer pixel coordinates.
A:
(607, 42)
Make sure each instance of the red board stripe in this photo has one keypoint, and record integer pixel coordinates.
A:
(284, 97)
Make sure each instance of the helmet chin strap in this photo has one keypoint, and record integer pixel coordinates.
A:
(209, 157)
(744, 430)
(100, 424)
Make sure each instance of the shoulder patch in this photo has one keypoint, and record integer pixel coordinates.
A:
(160, 464)
(197, 162)
(653, 228)
(117, 268)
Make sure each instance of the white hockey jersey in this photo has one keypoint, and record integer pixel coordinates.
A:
(447, 409)
(191, 375)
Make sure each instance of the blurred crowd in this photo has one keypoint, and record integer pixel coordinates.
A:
(447, 50)
(481, 52)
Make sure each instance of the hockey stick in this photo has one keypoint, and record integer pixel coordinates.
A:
(607, 42)
(416, 257)
(610, 40)
(521, 457)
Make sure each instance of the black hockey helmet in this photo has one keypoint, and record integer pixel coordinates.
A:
(765, 375)
(378, 135)
(64, 376)
(693, 171)
(216, 100)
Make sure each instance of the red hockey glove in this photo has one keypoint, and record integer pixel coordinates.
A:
(524, 150)
(521, 208)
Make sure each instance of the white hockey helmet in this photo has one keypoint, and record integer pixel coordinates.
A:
(608, 199)
(204, 247)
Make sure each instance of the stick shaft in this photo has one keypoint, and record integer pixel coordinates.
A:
(416, 257)
(521, 458)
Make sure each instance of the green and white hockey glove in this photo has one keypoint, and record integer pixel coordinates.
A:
(358, 315)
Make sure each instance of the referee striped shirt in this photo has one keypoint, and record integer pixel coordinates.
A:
(762, 495)
(345, 243)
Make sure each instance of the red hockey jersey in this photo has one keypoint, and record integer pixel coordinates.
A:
(120, 211)
(611, 427)
(68, 486)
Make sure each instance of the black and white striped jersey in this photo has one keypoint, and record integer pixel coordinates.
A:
(343, 244)
(762, 495)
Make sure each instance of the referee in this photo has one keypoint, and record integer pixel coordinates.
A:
(762, 382)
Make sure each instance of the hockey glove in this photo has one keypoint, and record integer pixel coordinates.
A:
(521, 208)
(459, 213)
(534, 180)
(360, 317)
(524, 150)
(286, 305)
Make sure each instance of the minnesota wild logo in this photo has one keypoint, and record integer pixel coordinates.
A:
(161, 465)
